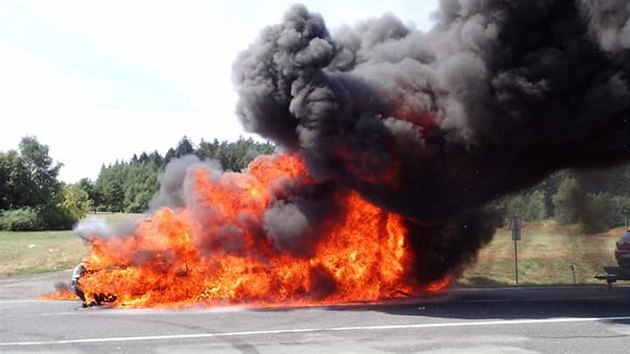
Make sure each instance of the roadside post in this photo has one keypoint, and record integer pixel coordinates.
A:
(516, 236)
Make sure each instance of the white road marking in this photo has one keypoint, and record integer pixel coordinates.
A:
(311, 330)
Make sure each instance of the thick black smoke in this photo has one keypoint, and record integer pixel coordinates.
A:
(434, 125)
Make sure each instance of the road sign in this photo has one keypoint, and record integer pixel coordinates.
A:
(516, 228)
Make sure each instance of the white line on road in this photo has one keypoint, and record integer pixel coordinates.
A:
(311, 330)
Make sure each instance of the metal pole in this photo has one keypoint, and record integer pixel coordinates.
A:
(516, 261)
(516, 236)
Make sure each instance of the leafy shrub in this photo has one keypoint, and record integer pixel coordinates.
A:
(527, 206)
(25, 219)
(596, 215)
(594, 212)
(605, 211)
(621, 210)
(56, 218)
(75, 201)
(568, 201)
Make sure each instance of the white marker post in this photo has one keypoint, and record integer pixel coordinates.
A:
(516, 236)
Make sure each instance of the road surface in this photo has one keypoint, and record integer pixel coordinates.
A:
(582, 319)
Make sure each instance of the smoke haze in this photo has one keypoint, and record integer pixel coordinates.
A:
(433, 126)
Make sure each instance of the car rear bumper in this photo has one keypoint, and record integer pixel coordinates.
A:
(623, 258)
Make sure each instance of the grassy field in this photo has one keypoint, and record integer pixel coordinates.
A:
(545, 253)
(44, 251)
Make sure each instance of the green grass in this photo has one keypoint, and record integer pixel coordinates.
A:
(45, 251)
(545, 254)
(39, 252)
(114, 218)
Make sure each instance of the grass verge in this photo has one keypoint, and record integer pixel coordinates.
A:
(39, 252)
(45, 251)
(545, 254)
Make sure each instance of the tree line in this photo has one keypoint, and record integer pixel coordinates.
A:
(597, 200)
(32, 197)
(129, 185)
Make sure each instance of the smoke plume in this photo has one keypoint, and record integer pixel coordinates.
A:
(434, 125)
(175, 180)
(90, 227)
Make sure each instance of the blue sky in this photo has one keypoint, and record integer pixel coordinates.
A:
(100, 80)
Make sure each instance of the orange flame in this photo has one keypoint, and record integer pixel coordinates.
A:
(61, 294)
(212, 251)
(439, 285)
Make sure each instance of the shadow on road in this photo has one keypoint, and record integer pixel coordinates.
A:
(520, 303)
(485, 281)
(509, 303)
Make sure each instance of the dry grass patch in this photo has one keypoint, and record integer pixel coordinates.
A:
(38, 252)
(545, 255)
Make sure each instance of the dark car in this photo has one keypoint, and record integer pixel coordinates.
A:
(622, 253)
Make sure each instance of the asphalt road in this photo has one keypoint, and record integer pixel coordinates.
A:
(31, 286)
(583, 319)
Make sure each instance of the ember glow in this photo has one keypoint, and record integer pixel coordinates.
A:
(184, 257)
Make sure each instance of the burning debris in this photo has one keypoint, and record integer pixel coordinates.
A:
(228, 245)
(394, 141)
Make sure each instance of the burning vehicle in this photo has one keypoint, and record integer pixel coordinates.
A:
(89, 230)
(391, 143)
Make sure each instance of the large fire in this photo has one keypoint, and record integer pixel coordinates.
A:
(217, 253)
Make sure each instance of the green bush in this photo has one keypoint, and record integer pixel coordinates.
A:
(75, 201)
(621, 210)
(597, 214)
(606, 211)
(25, 219)
(568, 201)
(56, 218)
(527, 206)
